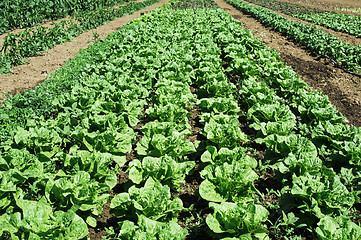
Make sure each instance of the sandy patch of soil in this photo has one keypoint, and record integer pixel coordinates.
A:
(343, 89)
(28, 76)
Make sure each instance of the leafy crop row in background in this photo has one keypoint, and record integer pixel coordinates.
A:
(19, 14)
(345, 54)
(337, 21)
(32, 42)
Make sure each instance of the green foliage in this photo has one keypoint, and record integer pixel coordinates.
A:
(345, 54)
(166, 169)
(150, 229)
(39, 221)
(228, 182)
(20, 14)
(322, 195)
(240, 220)
(193, 4)
(337, 21)
(225, 155)
(162, 138)
(339, 228)
(32, 42)
(223, 130)
(137, 104)
(152, 201)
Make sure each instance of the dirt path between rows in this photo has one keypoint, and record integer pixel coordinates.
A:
(343, 89)
(28, 76)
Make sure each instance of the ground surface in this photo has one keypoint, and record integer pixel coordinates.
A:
(343, 89)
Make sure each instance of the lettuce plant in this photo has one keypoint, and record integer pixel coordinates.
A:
(225, 155)
(152, 201)
(322, 195)
(330, 228)
(223, 130)
(150, 229)
(162, 138)
(166, 169)
(241, 221)
(228, 182)
(38, 220)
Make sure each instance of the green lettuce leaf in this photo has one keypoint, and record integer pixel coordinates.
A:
(224, 130)
(228, 182)
(337, 229)
(238, 220)
(152, 201)
(213, 156)
(151, 229)
(165, 169)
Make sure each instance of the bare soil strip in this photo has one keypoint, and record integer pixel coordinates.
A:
(343, 89)
(28, 76)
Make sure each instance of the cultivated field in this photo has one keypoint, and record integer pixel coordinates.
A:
(180, 119)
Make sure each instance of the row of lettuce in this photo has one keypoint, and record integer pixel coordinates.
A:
(345, 54)
(17, 47)
(19, 14)
(338, 21)
(126, 104)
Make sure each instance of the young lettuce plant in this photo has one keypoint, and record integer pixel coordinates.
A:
(294, 153)
(79, 189)
(223, 130)
(219, 105)
(166, 169)
(162, 138)
(238, 221)
(228, 182)
(272, 118)
(151, 230)
(152, 201)
(330, 228)
(322, 195)
(38, 220)
(225, 155)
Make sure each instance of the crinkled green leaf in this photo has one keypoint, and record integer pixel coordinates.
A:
(152, 201)
(165, 169)
(237, 219)
(227, 182)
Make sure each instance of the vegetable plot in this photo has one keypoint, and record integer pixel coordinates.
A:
(172, 129)
(33, 42)
(337, 21)
(341, 52)
(20, 14)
